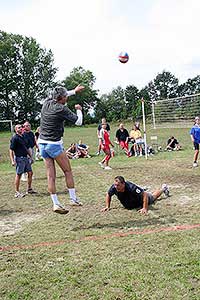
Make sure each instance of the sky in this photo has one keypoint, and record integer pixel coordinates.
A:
(157, 34)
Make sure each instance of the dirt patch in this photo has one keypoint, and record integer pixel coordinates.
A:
(10, 225)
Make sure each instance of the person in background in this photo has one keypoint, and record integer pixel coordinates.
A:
(20, 157)
(30, 142)
(122, 138)
(72, 152)
(103, 121)
(37, 151)
(136, 138)
(195, 137)
(54, 113)
(83, 150)
(173, 144)
(105, 146)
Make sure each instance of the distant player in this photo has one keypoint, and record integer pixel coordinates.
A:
(105, 143)
(195, 136)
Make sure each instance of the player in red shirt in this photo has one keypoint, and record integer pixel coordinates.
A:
(105, 146)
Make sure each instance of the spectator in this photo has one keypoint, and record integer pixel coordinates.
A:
(195, 137)
(83, 150)
(103, 121)
(72, 151)
(136, 138)
(30, 142)
(132, 196)
(173, 144)
(37, 152)
(20, 157)
(122, 137)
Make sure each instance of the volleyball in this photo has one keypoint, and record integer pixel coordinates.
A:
(123, 57)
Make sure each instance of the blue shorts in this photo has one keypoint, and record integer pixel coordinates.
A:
(50, 150)
(23, 165)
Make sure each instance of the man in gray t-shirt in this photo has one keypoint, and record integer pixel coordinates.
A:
(53, 114)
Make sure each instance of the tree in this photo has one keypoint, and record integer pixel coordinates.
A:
(165, 85)
(88, 97)
(190, 87)
(26, 74)
(132, 100)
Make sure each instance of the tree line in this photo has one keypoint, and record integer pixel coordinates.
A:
(27, 75)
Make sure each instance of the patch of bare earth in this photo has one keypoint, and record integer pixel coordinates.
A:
(12, 224)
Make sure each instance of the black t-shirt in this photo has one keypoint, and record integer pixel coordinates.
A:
(122, 135)
(29, 138)
(173, 144)
(18, 145)
(107, 127)
(131, 198)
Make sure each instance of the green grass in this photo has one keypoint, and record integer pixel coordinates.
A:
(162, 265)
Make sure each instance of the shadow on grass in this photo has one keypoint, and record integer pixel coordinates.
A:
(129, 224)
(5, 212)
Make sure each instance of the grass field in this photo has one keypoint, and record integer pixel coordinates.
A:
(90, 255)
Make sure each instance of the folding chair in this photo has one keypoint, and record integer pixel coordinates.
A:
(154, 142)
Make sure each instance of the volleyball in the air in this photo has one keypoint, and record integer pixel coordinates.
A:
(123, 57)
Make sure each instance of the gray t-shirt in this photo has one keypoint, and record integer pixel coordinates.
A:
(53, 115)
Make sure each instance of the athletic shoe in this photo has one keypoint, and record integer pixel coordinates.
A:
(75, 202)
(108, 168)
(98, 153)
(31, 191)
(165, 189)
(19, 195)
(195, 164)
(58, 208)
(101, 164)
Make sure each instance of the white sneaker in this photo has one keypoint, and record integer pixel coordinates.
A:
(165, 189)
(107, 168)
(101, 164)
(19, 195)
(140, 154)
(195, 164)
(75, 202)
(58, 208)
(135, 154)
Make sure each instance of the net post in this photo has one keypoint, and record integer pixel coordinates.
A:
(144, 127)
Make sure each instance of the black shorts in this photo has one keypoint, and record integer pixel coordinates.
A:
(196, 146)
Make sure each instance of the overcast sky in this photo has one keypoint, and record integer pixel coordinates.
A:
(157, 34)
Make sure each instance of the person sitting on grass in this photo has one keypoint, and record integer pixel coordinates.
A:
(173, 144)
(83, 150)
(136, 138)
(72, 151)
(132, 196)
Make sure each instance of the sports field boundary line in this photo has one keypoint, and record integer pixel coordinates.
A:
(101, 237)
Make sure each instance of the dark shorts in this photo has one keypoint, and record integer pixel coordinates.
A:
(196, 146)
(50, 150)
(23, 165)
(150, 198)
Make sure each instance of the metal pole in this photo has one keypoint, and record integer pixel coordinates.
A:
(153, 114)
(144, 128)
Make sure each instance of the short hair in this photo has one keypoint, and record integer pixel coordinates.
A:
(59, 91)
(120, 178)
